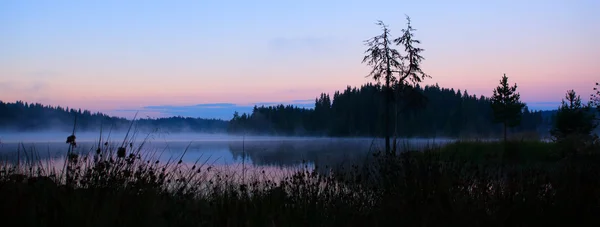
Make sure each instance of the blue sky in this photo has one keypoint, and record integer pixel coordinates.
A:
(222, 111)
(116, 56)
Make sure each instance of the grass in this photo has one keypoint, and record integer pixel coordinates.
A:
(461, 184)
(497, 151)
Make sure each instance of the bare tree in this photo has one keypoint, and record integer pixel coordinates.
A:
(385, 60)
(410, 73)
(411, 67)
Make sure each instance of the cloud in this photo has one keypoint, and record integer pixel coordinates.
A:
(208, 110)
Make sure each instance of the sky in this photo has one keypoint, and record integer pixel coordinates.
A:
(210, 58)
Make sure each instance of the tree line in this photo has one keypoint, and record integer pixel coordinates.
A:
(22, 117)
(352, 112)
(358, 112)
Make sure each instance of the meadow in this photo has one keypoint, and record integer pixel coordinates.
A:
(468, 183)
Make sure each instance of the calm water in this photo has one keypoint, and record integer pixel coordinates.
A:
(213, 150)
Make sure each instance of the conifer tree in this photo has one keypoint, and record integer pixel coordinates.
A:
(574, 122)
(506, 105)
(384, 60)
(595, 99)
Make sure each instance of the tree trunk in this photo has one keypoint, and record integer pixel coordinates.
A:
(386, 117)
(387, 92)
(394, 148)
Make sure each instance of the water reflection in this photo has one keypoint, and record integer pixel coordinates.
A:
(253, 152)
(252, 155)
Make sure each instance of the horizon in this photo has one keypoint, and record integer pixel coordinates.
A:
(223, 111)
(165, 59)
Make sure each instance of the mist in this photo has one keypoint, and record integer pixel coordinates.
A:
(138, 135)
(213, 148)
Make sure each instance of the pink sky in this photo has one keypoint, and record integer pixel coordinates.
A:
(94, 57)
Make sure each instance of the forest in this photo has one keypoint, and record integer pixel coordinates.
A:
(444, 112)
(23, 117)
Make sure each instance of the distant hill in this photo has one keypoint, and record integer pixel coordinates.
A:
(23, 117)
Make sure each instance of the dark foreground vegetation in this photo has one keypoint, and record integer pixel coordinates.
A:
(463, 184)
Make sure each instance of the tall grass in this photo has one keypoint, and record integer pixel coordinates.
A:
(462, 184)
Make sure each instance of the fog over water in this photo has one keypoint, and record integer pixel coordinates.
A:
(211, 149)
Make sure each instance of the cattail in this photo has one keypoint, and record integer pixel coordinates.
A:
(121, 152)
(71, 140)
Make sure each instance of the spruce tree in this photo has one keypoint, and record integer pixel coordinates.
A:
(384, 60)
(506, 105)
(410, 74)
(574, 122)
(595, 99)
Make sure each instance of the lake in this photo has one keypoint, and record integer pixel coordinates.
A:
(257, 152)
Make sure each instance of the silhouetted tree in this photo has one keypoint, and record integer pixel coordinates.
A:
(410, 73)
(595, 99)
(574, 121)
(385, 60)
(506, 105)
(410, 70)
